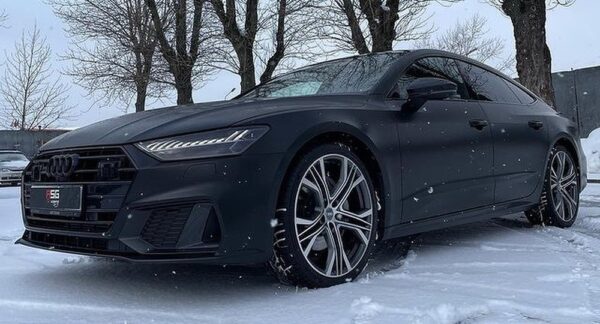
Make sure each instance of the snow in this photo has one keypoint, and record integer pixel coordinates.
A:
(591, 149)
(494, 272)
(499, 271)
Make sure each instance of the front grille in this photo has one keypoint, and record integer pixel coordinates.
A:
(164, 226)
(104, 190)
(91, 167)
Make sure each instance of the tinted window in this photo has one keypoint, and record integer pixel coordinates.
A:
(486, 85)
(352, 75)
(431, 67)
(523, 96)
(297, 89)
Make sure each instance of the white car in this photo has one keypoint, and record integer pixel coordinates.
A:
(12, 164)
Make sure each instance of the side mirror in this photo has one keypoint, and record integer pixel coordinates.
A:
(424, 89)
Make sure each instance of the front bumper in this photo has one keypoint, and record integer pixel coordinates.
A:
(211, 211)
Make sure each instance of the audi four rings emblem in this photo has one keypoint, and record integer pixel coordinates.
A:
(63, 165)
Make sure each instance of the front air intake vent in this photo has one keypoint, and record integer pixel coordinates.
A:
(164, 226)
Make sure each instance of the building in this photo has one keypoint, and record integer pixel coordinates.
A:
(28, 142)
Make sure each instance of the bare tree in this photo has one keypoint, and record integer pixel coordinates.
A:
(470, 38)
(534, 61)
(182, 46)
(3, 19)
(366, 26)
(33, 98)
(120, 63)
(264, 34)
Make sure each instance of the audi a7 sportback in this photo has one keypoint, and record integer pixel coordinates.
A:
(309, 170)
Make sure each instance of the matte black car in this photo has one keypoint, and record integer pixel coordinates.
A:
(310, 170)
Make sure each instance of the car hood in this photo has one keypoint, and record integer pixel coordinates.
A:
(13, 165)
(164, 122)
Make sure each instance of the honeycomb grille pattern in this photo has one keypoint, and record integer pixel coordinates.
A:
(164, 226)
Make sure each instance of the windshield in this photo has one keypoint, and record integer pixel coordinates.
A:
(352, 75)
(9, 157)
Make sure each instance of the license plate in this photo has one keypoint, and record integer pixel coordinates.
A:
(56, 200)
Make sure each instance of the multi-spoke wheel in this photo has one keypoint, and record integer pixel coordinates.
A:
(560, 197)
(327, 219)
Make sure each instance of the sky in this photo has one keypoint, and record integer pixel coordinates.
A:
(572, 34)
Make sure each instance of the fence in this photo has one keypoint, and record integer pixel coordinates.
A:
(577, 96)
(27, 142)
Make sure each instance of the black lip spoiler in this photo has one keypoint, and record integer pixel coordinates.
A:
(199, 259)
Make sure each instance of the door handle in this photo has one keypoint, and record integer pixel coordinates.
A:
(479, 124)
(536, 124)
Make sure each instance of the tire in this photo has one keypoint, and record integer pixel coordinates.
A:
(312, 219)
(559, 201)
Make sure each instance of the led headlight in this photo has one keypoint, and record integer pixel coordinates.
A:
(217, 143)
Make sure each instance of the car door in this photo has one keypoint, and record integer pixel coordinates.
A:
(446, 149)
(518, 132)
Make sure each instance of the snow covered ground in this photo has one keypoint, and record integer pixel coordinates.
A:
(591, 149)
(499, 271)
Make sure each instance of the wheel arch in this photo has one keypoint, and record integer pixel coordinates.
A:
(566, 141)
(361, 146)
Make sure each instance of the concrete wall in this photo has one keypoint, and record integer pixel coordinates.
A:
(577, 96)
(27, 142)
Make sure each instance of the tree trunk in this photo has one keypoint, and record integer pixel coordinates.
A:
(184, 87)
(140, 100)
(23, 118)
(382, 42)
(534, 62)
(382, 23)
(182, 76)
(181, 63)
(247, 70)
(358, 39)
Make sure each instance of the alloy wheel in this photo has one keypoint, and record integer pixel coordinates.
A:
(564, 189)
(333, 215)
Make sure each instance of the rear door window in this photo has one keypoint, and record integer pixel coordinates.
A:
(523, 96)
(487, 86)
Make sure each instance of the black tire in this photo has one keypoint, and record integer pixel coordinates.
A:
(547, 212)
(289, 262)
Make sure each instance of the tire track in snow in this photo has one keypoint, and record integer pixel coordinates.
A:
(586, 247)
(583, 254)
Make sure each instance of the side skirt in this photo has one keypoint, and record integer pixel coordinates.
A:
(455, 219)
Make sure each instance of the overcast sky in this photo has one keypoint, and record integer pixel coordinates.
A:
(572, 36)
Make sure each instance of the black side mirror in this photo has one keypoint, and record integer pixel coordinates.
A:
(424, 89)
